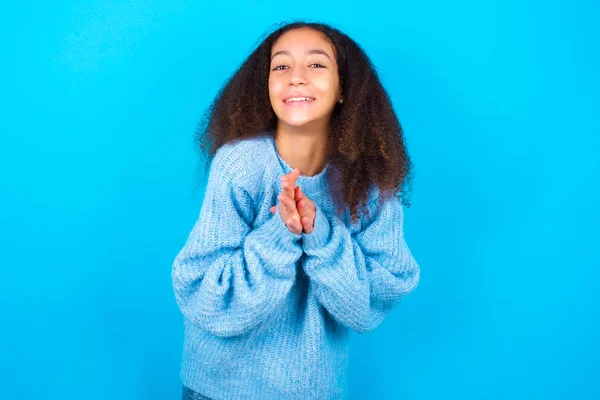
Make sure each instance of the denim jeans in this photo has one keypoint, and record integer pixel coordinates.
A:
(189, 394)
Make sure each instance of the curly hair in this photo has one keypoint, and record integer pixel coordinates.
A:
(366, 137)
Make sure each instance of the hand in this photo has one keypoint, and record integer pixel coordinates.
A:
(288, 210)
(305, 207)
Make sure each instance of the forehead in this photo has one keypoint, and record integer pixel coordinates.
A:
(302, 40)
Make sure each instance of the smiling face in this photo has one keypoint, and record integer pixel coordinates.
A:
(303, 79)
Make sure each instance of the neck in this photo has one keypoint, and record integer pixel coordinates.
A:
(305, 149)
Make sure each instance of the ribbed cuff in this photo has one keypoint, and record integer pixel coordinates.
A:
(318, 237)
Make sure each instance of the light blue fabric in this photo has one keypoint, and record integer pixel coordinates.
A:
(189, 394)
(267, 312)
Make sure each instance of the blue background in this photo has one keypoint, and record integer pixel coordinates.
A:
(499, 102)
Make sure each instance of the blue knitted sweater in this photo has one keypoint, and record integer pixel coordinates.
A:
(267, 312)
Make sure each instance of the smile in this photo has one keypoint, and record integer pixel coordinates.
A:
(299, 100)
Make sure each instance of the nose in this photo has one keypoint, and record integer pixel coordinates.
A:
(297, 76)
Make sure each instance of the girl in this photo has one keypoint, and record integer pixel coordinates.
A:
(281, 264)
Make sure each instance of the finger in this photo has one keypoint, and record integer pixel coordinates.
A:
(287, 202)
(273, 209)
(293, 172)
(310, 205)
(310, 210)
(304, 221)
(282, 198)
(287, 186)
(308, 228)
(293, 176)
(301, 205)
(306, 212)
(298, 193)
(293, 225)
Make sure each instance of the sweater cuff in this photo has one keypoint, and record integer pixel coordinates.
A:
(318, 237)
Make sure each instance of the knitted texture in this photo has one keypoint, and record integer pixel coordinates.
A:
(267, 312)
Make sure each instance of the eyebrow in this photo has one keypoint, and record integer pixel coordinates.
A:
(314, 51)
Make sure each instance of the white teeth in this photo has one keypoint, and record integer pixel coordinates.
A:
(299, 99)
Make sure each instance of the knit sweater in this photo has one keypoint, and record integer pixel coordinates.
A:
(267, 312)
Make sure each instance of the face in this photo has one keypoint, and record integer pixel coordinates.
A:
(303, 66)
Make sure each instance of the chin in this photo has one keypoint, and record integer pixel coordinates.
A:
(298, 121)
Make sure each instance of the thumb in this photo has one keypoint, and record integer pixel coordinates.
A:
(272, 209)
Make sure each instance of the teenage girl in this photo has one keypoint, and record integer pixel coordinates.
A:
(300, 234)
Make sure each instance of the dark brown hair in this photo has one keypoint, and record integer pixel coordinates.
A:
(366, 138)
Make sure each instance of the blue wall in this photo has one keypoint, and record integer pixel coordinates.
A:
(499, 102)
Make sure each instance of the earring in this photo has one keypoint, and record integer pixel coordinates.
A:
(341, 101)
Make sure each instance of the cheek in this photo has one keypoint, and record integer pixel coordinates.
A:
(275, 82)
(274, 89)
(326, 86)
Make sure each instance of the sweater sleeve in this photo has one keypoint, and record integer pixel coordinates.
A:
(228, 277)
(360, 277)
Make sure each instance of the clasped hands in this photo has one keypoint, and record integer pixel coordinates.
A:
(297, 210)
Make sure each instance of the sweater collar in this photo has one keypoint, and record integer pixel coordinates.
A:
(311, 185)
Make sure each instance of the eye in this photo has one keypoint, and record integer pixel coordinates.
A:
(320, 66)
(277, 68)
